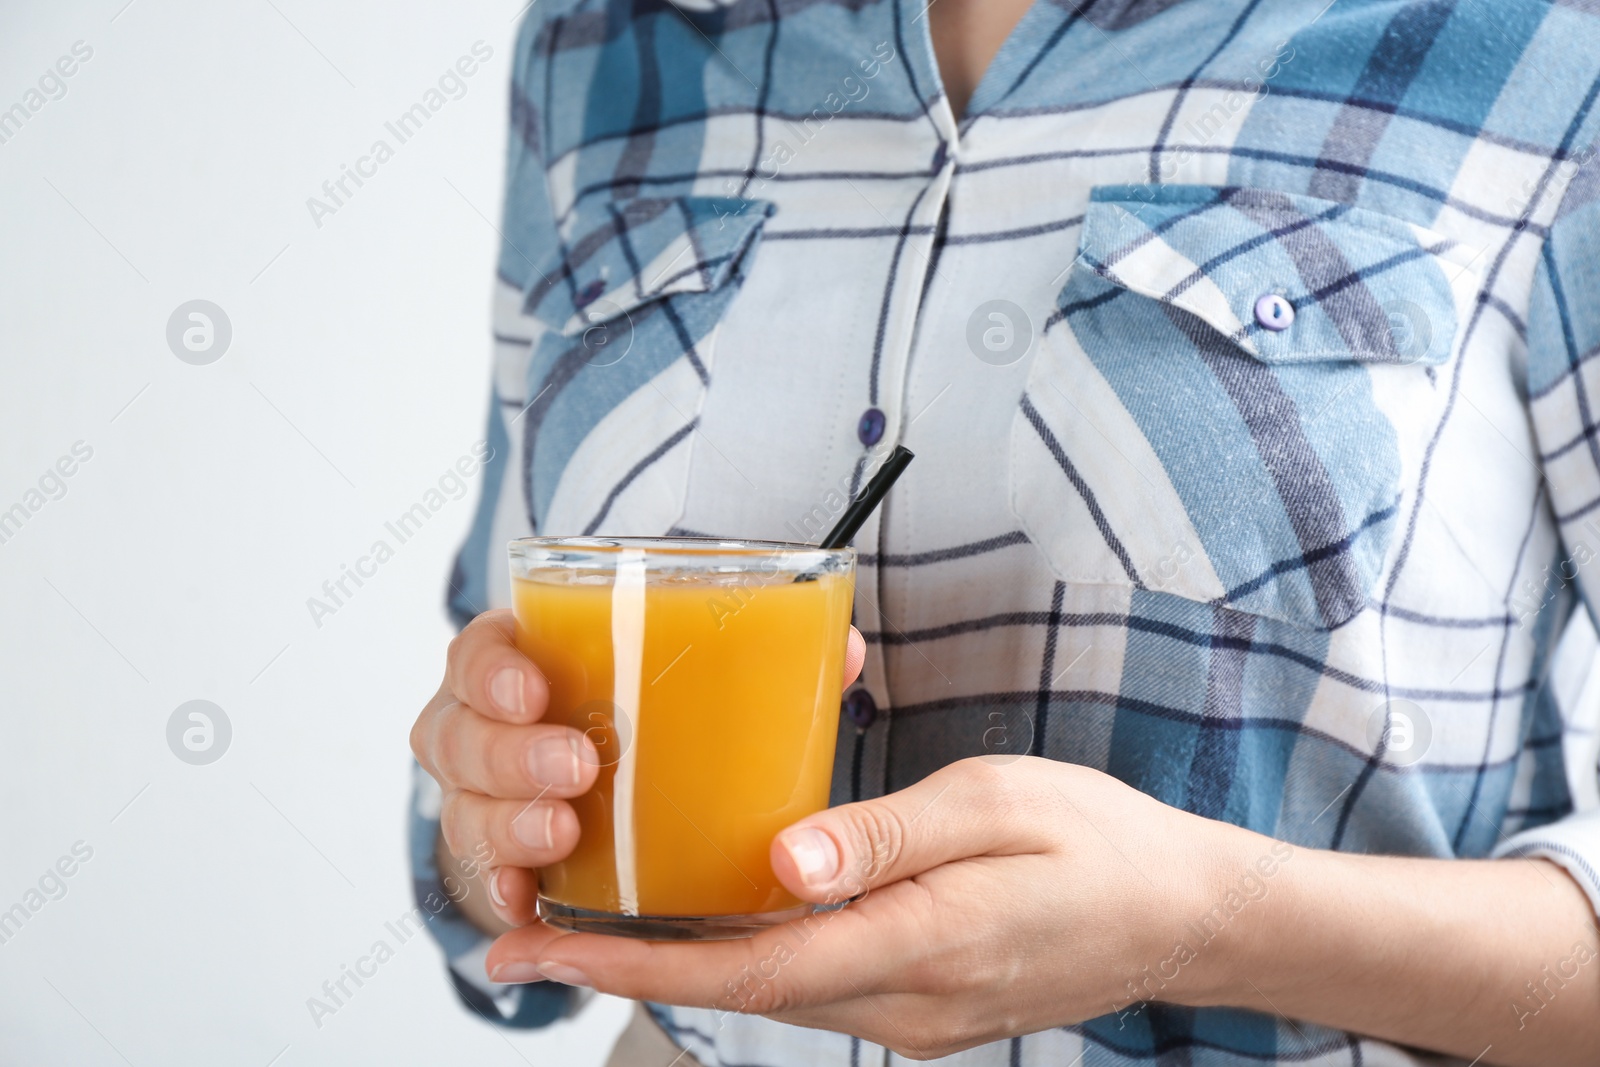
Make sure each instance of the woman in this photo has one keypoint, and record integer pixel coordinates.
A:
(1244, 350)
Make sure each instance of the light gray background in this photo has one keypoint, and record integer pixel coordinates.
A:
(218, 499)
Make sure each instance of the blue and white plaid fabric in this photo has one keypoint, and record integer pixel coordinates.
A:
(1325, 581)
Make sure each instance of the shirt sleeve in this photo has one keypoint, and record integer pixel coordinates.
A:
(1560, 798)
(479, 579)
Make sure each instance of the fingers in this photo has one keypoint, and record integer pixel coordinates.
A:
(508, 833)
(513, 958)
(513, 893)
(881, 970)
(824, 958)
(462, 748)
(970, 808)
(855, 654)
(486, 671)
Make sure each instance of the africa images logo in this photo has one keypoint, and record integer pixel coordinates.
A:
(451, 85)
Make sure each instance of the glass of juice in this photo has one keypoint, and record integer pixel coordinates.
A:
(707, 673)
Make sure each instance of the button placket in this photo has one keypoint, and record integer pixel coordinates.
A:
(871, 713)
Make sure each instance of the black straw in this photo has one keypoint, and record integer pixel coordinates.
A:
(867, 501)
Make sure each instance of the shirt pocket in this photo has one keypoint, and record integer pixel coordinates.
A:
(1173, 437)
(630, 303)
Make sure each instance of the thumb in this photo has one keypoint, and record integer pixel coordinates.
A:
(969, 808)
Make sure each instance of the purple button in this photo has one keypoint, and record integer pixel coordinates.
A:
(589, 293)
(860, 708)
(870, 428)
(1274, 313)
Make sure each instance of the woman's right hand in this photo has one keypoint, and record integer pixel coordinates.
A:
(504, 774)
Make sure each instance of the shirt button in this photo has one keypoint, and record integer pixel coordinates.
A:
(860, 708)
(870, 428)
(589, 293)
(1274, 313)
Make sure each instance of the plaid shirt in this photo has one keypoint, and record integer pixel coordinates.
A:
(1246, 350)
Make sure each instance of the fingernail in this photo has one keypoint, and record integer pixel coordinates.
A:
(515, 973)
(494, 888)
(560, 972)
(508, 692)
(555, 760)
(815, 855)
(532, 825)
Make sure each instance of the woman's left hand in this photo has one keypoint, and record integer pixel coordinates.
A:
(1002, 896)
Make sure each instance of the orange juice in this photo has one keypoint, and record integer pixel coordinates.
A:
(712, 697)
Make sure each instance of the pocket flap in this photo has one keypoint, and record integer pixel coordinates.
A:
(627, 254)
(1361, 286)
